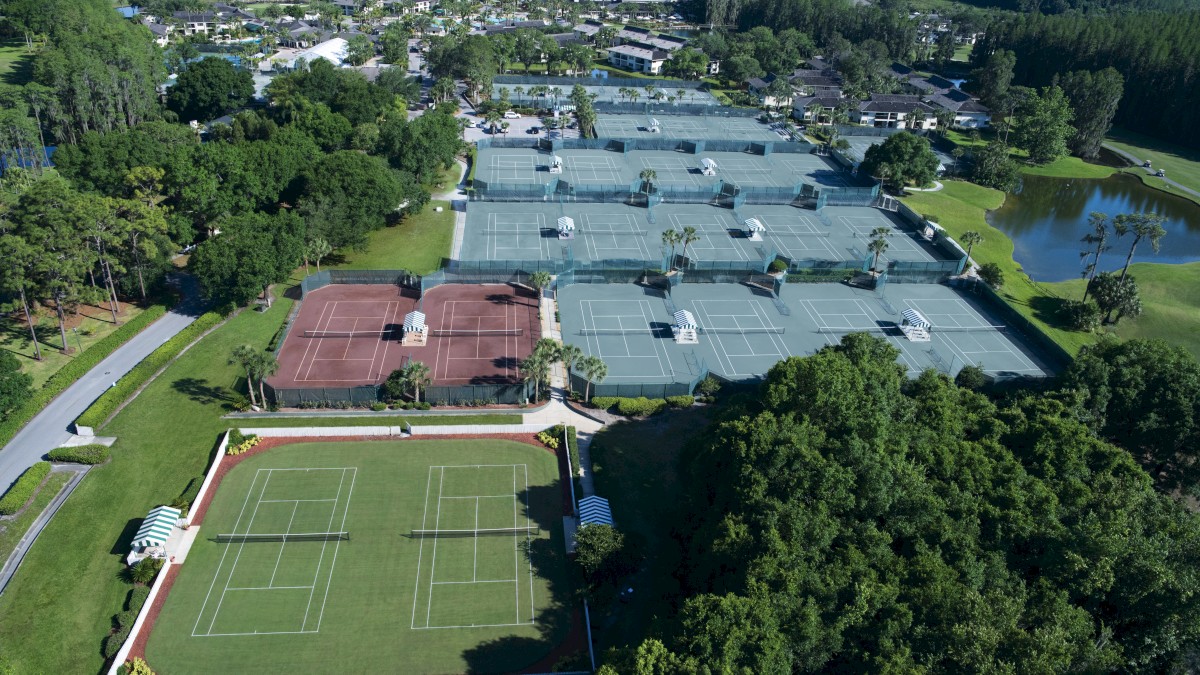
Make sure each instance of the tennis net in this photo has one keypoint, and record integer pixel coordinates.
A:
(284, 537)
(749, 330)
(529, 230)
(351, 333)
(629, 233)
(789, 233)
(493, 532)
(969, 329)
(455, 332)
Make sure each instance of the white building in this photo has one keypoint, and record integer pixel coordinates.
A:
(638, 58)
(333, 51)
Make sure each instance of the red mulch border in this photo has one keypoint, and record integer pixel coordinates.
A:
(576, 638)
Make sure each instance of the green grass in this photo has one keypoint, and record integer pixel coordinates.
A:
(636, 465)
(96, 323)
(11, 531)
(1181, 164)
(962, 206)
(371, 590)
(419, 244)
(59, 607)
(16, 62)
(962, 53)
(379, 420)
(1063, 167)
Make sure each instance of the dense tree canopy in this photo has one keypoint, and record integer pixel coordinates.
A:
(251, 253)
(209, 89)
(854, 520)
(902, 158)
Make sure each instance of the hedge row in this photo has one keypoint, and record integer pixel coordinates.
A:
(81, 454)
(75, 369)
(642, 406)
(23, 488)
(103, 408)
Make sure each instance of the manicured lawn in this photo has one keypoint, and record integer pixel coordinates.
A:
(961, 206)
(636, 466)
(384, 601)
(1182, 164)
(962, 53)
(59, 607)
(1063, 167)
(16, 62)
(376, 420)
(16, 528)
(419, 244)
(96, 323)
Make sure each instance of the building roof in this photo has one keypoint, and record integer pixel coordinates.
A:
(195, 17)
(815, 79)
(958, 101)
(824, 100)
(640, 50)
(589, 27)
(333, 51)
(900, 70)
(893, 103)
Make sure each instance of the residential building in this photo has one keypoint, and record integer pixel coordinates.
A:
(758, 86)
(332, 50)
(160, 31)
(815, 82)
(803, 107)
(588, 29)
(895, 111)
(197, 23)
(641, 58)
(348, 7)
(969, 113)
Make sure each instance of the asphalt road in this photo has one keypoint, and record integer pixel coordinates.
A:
(50, 428)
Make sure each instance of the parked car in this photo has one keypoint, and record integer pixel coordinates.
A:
(510, 115)
(533, 130)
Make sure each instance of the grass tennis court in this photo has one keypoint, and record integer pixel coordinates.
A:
(411, 582)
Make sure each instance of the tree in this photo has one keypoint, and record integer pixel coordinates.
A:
(1044, 125)
(741, 68)
(992, 80)
(687, 63)
(1097, 241)
(540, 281)
(970, 238)
(909, 156)
(246, 357)
(603, 555)
(957, 153)
(251, 253)
(345, 195)
(1141, 226)
(18, 262)
(878, 245)
(536, 368)
(208, 89)
(393, 44)
(687, 237)
(648, 176)
(570, 354)
(1094, 98)
(594, 370)
(995, 168)
(992, 275)
(1116, 295)
(359, 50)
(316, 249)
(415, 375)
(670, 239)
(14, 385)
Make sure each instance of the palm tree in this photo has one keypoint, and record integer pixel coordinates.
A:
(970, 238)
(244, 356)
(540, 280)
(671, 239)
(264, 366)
(814, 110)
(493, 119)
(1143, 226)
(1097, 241)
(648, 177)
(315, 249)
(570, 355)
(957, 153)
(594, 370)
(689, 236)
(878, 244)
(416, 375)
(680, 93)
(519, 91)
(536, 368)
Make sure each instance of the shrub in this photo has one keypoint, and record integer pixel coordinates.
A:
(573, 448)
(604, 402)
(421, 405)
(137, 598)
(931, 217)
(124, 618)
(184, 501)
(138, 667)
(1081, 315)
(104, 407)
(112, 643)
(23, 488)
(708, 386)
(778, 265)
(971, 377)
(992, 275)
(681, 401)
(145, 571)
(75, 369)
(235, 437)
(248, 442)
(548, 439)
(640, 406)
(81, 454)
(378, 406)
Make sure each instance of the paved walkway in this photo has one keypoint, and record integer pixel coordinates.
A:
(457, 194)
(49, 429)
(1137, 162)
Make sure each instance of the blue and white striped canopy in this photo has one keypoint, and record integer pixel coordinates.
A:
(685, 320)
(594, 510)
(156, 527)
(914, 318)
(414, 321)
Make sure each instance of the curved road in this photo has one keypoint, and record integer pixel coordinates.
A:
(1137, 162)
(49, 429)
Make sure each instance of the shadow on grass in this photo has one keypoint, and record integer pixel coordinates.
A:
(202, 392)
(121, 545)
(1049, 310)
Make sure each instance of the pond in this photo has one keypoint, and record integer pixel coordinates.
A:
(1047, 217)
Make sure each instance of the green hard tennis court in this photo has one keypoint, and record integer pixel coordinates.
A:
(443, 556)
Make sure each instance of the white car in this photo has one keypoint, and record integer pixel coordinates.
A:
(510, 115)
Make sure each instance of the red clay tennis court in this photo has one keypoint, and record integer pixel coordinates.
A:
(348, 335)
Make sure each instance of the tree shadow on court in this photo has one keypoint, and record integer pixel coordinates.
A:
(544, 505)
(506, 362)
(293, 293)
(202, 392)
(501, 299)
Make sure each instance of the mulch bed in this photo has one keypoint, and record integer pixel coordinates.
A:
(576, 639)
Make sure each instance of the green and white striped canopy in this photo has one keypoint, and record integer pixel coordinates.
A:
(156, 527)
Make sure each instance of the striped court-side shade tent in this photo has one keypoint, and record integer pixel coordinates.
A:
(156, 527)
(414, 322)
(594, 510)
(684, 320)
(754, 225)
(566, 224)
(914, 318)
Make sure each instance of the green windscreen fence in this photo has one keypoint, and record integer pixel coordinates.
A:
(438, 395)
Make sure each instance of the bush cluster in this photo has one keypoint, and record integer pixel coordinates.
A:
(640, 406)
(136, 598)
(685, 401)
(378, 406)
(548, 438)
(411, 405)
(185, 500)
(23, 488)
(75, 369)
(82, 454)
(778, 265)
(243, 445)
(1083, 316)
(604, 402)
(556, 432)
(104, 407)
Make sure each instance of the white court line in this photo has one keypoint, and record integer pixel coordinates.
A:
(433, 563)
(283, 545)
(233, 569)
(421, 551)
(532, 604)
(336, 546)
(217, 573)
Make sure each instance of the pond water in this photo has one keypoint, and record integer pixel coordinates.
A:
(1047, 217)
